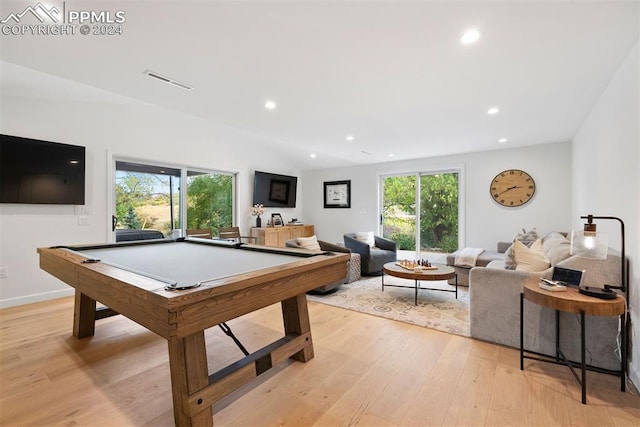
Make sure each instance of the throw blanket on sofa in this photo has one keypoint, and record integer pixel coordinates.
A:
(467, 257)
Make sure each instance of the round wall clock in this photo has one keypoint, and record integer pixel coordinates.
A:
(512, 187)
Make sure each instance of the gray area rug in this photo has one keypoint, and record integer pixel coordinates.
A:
(435, 309)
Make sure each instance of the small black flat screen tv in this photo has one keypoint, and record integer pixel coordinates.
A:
(41, 172)
(274, 191)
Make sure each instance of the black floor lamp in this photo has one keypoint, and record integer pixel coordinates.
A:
(590, 243)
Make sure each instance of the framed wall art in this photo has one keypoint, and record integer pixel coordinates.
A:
(337, 194)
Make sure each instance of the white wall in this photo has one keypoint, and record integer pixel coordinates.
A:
(485, 221)
(607, 179)
(109, 125)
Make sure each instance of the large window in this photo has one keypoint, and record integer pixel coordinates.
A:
(209, 201)
(151, 197)
(420, 211)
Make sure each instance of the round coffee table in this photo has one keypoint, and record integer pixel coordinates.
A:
(443, 272)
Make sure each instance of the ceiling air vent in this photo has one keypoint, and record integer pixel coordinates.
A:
(167, 80)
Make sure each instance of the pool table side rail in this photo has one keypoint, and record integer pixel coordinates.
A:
(180, 313)
(241, 294)
(122, 291)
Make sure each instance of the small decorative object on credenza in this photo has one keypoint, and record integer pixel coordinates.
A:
(257, 210)
(276, 220)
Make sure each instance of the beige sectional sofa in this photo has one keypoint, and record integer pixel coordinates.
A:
(495, 307)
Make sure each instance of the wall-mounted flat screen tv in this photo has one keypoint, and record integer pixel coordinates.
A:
(273, 190)
(41, 172)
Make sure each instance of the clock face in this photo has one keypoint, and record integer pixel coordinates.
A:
(512, 188)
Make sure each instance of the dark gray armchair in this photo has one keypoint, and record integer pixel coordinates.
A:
(372, 259)
(324, 246)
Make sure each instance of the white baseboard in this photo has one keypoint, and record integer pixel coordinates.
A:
(28, 299)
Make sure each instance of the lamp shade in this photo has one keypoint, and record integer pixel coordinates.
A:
(589, 244)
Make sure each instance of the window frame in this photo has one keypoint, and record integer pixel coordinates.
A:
(184, 170)
(427, 171)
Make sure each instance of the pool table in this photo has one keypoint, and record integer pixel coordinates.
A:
(178, 288)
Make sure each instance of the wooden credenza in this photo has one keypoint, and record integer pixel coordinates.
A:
(277, 236)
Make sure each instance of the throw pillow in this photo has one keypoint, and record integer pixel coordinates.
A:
(556, 246)
(527, 238)
(366, 237)
(532, 258)
(310, 243)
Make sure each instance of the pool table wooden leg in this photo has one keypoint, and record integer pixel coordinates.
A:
(296, 322)
(84, 316)
(189, 374)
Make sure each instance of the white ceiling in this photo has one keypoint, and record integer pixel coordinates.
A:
(391, 73)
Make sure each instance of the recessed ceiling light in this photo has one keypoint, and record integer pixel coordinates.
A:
(493, 110)
(349, 138)
(502, 140)
(312, 155)
(390, 155)
(270, 105)
(470, 36)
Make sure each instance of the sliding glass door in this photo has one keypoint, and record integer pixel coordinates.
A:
(399, 216)
(152, 197)
(146, 197)
(420, 211)
(438, 201)
(209, 201)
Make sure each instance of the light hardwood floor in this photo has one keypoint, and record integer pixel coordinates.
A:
(367, 371)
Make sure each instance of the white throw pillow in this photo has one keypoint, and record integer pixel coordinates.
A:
(310, 243)
(525, 237)
(530, 258)
(366, 237)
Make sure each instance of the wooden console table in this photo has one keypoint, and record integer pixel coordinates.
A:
(571, 301)
(277, 236)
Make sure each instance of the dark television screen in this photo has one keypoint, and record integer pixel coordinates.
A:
(275, 191)
(41, 172)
